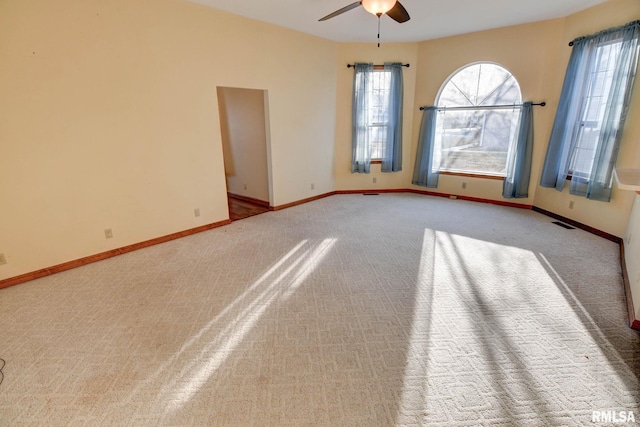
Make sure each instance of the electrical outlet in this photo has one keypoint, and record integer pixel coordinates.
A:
(375, 180)
(3, 259)
(453, 197)
(464, 185)
(571, 202)
(108, 233)
(196, 212)
(313, 186)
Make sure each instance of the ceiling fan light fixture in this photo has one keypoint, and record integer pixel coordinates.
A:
(378, 7)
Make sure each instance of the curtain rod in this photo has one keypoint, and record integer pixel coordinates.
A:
(608, 31)
(382, 65)
(488, 107)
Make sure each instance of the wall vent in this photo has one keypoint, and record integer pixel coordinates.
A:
(563, 225)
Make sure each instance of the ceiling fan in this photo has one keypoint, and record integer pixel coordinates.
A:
(392, 8)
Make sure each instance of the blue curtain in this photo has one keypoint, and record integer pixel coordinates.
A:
(392, 150)
(360, 144)
(568, 127)
(424, 172)
(518, 169)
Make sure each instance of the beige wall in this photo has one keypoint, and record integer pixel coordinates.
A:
(348, 53)
(109, 119)
(632, 253)
(244, 141)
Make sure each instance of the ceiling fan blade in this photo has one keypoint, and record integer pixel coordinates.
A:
(398, 13)
(341, 11)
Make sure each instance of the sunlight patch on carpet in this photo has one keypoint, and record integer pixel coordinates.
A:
(274, 285)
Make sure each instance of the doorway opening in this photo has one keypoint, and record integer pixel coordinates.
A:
(244, 125)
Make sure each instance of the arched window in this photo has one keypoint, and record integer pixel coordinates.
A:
(477, 120)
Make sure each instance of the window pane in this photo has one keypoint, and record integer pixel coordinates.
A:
(480, 84)
(377, 138)
(476, 141)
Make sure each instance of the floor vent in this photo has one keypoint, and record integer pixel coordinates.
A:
(370, 194)
(563, 225)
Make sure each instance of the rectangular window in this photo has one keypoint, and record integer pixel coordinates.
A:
(378, 111)
(377, 117)
(594, 104)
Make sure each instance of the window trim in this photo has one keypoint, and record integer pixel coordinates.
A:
(471, 175)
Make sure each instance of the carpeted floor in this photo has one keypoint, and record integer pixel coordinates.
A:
(387, 310)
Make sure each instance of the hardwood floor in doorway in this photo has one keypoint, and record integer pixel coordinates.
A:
(242, 208)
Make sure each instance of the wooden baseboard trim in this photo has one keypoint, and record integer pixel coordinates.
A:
(379, 191)
(433, 193)
(473, 199)
(301, 202)
(633, 322)
(579, 225)
(258, 202)
(104, 255)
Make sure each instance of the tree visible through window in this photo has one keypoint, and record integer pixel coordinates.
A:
(478, 113)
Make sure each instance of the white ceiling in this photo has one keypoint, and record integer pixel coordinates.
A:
(429, 18)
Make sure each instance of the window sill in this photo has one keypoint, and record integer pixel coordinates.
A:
(627, 179)
(473, 175)
(376, 162)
